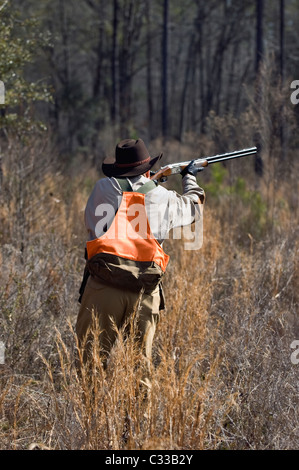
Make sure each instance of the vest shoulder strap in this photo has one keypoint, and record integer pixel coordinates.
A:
(144, 189)
(124, 184)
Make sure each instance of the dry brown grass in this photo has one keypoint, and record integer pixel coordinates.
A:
(222, 374)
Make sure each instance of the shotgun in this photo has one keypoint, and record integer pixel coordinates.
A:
(175, 168)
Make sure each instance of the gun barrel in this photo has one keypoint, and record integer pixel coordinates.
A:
(176, 168)
(231, 155)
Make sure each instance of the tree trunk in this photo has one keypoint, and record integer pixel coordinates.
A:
(201, 75)
(231, 77)
(189, 61)
(165, 69)
(66, 72)
(258, 163)
(282, 73)
(259, 34)
(131, 16)
(150, 106)
(113, 62)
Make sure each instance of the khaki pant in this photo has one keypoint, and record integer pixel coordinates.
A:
(112, 307)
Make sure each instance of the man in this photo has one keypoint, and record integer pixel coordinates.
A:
(128, 217)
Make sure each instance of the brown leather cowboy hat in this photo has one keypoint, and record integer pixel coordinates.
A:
(131, 159)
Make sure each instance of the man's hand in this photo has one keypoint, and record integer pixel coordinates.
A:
(191, 169)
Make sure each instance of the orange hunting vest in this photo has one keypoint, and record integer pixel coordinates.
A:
(128, 255)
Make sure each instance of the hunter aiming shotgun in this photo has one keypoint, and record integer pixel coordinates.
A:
(125, 267)
(176, 168)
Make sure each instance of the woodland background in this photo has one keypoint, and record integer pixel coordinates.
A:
(191, 78)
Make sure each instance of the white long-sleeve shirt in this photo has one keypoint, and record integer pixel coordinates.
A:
(165, 209)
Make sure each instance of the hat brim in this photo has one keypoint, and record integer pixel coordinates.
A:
(111, 169)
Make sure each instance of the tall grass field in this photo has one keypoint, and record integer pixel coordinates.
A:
(224, 373)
